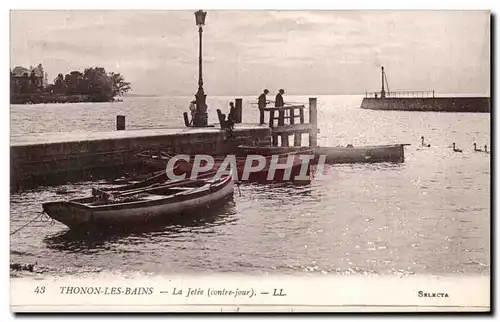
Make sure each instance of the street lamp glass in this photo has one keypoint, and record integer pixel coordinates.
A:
(200, 17)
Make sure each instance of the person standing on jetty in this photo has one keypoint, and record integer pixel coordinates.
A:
(231, 117)
(262, 104)
(278, 102)
(227, 122)
(192, 108)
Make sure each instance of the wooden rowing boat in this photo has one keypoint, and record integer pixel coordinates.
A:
(140, 206)
(272, 150)
(362, 154)
(160, 161)
(299, 169)
(340, 154)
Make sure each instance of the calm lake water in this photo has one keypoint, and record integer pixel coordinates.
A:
(429, 215)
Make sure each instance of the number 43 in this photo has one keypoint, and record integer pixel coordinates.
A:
(40, 289)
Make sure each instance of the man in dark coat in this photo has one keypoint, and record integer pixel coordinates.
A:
(231, 117)
(278, 102)
(262, 104)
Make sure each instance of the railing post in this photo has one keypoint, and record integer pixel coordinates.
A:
(274, 141)
(120, 122)
(313, 119)
(284, 140)
(274, 138)
(292, 116)
(281, 117)
(297, 139)
(238, 108)
(271, 118)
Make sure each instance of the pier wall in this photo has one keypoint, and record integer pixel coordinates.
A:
(47, 163)
(430, 104)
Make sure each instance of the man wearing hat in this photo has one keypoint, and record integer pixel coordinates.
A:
(278, 102)
(262, 104)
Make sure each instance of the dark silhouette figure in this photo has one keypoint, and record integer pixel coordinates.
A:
(229, 125)
(192, 109)
(278, 102)
(227, 122)
(231, 117)
(262, 104)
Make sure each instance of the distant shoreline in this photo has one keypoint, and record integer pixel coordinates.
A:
(141, 95)
(28, 99)
(45, 99)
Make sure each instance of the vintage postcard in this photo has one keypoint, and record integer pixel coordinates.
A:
(250, 160)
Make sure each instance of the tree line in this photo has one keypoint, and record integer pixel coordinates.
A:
(94, 83)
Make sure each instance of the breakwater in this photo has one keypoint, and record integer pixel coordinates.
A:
(63, 157)
(429, 104)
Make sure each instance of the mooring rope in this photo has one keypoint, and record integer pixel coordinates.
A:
(238, 185)
(29, 222)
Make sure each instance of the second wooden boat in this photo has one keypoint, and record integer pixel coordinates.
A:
(296, 171)
(340, 154)
(362, 154)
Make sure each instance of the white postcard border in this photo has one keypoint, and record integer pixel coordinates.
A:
(191, 4)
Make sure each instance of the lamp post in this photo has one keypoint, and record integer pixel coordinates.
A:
(201, 116)
(382, 92)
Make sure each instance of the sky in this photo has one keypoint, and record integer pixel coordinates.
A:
(304, 52)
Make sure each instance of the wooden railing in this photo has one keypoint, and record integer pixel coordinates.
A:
(282, 114)
(401, 94)
(290, 122)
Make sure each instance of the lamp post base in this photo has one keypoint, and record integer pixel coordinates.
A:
(200, 120)
(201, 116)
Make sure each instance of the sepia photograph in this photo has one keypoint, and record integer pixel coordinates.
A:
(210, 160)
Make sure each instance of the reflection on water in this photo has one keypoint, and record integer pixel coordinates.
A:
(88, 242)
(429, 215)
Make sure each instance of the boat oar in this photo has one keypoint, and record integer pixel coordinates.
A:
(101, 193)
(123, 193)
(157, 186)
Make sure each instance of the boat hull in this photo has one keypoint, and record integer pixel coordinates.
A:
(362, 154)
(82, 217)
(294, 172)
(333, 155)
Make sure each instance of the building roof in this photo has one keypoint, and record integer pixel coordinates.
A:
(19, 71)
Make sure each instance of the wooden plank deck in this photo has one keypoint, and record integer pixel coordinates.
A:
(66, 137)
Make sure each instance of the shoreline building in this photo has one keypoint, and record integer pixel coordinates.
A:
(23, 78)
